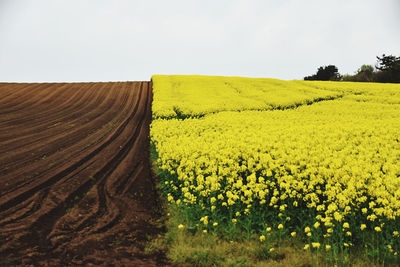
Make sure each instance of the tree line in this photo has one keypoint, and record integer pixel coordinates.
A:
(386, 70)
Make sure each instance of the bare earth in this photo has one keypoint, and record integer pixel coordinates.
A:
(75, 180)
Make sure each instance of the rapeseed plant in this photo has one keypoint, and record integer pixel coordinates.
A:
(236, 151)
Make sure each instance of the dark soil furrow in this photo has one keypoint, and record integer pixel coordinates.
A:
(108, 169)
(67, 141)
(38, 97)
(21, 197)
(17, 97)
(53, 139)
(77, 196)
(68, 103)
(69, 112)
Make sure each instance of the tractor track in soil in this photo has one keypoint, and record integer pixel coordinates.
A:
(76, 186)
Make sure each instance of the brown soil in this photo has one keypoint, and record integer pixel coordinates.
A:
(75, 180)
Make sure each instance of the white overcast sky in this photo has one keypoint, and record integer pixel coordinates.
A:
(120, 40)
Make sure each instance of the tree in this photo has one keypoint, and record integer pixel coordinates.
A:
(365, 73)
(388, 62)
(388, 69)
(325, 73)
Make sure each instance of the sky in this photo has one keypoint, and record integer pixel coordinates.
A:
(131, 40)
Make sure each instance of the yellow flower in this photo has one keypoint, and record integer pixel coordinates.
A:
(234, 220)
(346, 225)
(395, 233)
(378, 229)
(345, 244)
(329, 230)
(180, 226)
(363, 226)
(307, 246)
(293, 234)
(316, 225)
(338, 216)
(262, 238)
(269, 229)
(271, 249)
(215, 224)
(348, 233)
(364, 210)
(309, 234)
(307, 229)
(280, 226)
(205, 231)
(328, 247)
(315, 244)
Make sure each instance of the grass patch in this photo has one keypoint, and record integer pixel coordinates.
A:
(191, 247)
(187, 246)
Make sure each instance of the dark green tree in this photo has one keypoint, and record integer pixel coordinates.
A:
(388, 69)
(325, 73)
(387, 62)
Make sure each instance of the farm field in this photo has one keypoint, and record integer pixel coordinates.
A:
(316, 162)
(75, 181)
(306, 163)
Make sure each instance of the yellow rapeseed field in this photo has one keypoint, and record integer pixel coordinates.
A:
(193, 95)
(320, 159)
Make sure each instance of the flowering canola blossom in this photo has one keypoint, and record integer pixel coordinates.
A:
(295, 149)
(192, 95)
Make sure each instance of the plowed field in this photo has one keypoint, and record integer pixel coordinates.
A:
(75, 180)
